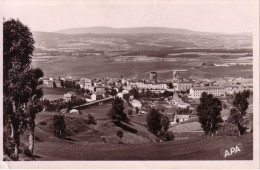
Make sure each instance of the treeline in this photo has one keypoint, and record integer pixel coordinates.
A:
(58, 105)
(148, 94)
(164, 52)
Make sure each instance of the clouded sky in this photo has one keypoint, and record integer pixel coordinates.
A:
(230, 16)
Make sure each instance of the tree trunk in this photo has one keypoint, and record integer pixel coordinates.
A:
(17, 144)
(12, 131)
(31, 139)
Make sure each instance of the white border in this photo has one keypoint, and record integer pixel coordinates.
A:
(154, 164)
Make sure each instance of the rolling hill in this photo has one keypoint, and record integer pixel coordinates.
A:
(132, 30)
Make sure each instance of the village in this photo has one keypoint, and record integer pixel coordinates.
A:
(177, 96)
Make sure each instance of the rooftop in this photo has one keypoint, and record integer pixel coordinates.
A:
(207, 87)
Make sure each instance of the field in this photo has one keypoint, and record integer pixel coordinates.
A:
(98, 67)
(86, 142)
(56, 93)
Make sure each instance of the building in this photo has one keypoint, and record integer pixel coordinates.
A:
(181, 117)
(57, 83)
(91, 98)
(48, 82)
(136, 103)
(183, 86)
(151, 86)
(195, 92)
(70, 96)
(232, 89)
(153, 75)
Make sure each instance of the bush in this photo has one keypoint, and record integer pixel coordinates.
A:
(228, 129)
(59, 126)
(43, 123)
(120, 134)
(130, 112)
(91, 120)
(166, 136)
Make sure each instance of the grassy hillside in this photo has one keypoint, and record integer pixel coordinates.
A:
(99, 142)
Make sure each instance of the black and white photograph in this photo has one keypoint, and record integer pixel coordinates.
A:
(120, 83)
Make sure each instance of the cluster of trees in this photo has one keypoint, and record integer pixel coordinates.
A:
(209, 113)
(147, 94)
(58, 105)
(183, 111)
(165, 51)
(158, 124)
(21, 87)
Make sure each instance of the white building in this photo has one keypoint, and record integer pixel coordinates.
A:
(195, 92)
(92, 98)
(120, 95)
(150, 86)
(183, 86)
(136, 103)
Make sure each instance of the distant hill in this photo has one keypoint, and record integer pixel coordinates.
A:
(133, 30)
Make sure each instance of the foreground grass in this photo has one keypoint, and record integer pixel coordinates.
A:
(195, 149)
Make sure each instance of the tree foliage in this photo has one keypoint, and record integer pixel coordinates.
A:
(158, 124)
(117, 112)
(59, 125)
(134, 92)
(165, 123)
(237, 113)
(20, 79)
(153, 120)
(209, 113)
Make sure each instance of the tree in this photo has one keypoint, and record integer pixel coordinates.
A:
(237, 113)
(130, 112)
(137, 110)
(153, 120)
(113, 92)
(18, 47)
(59, 125)
(117, 112)
(134, 92)
(170, 86)
(209, 113)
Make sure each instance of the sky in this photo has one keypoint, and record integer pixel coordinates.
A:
(227, 16)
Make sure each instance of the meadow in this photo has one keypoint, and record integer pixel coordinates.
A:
(86, 144)
(98, 67)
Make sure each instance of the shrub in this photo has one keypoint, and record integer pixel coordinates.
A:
(59, 126)
(43, 123)
(120, 134)
(166, 135)
(90, 120)
(228, 129)
(130, 112)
